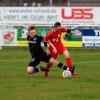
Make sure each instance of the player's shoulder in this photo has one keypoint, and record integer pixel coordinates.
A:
(28, 36)
(39, 37)
(63, 28)
(50, 32)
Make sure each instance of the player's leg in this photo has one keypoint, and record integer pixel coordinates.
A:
(49, 65)
(68, 58)
(49, 59)
(64, 51)
(32, 66)
(69, 61)
(59, 64)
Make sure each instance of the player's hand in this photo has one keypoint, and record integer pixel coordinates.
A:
(47, 51)
(77, 34)
(55, 50)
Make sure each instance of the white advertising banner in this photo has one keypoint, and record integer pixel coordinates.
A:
(47, 16)
(80, 16)
(29, 15)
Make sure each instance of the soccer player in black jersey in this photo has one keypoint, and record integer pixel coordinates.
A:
(38, 54)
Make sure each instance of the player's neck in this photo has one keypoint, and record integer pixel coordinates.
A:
(55, 30)
(33, 36)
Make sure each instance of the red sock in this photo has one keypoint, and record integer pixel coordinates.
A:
(46, 74)
(48, 67)
(69, 62)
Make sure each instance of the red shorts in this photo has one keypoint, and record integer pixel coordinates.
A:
(60, 50)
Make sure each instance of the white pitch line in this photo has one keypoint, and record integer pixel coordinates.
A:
(85, 62)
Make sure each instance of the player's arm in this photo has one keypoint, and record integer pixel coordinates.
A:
(54, 49)
(47, 39)
(45, 45)
(24, 36)
(69, 31)
(50, 44)
(44, 42)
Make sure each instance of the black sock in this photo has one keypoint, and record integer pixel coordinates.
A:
(60, 65)
(36, 70)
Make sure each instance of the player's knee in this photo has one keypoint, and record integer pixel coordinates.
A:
(30, 70)
(53, 61)
(66, 54)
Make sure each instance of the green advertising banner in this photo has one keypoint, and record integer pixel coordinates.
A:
(71, 40)
(22, 32)
(68, 41)
(42, 30)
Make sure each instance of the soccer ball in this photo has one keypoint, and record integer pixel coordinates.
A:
(67, 74)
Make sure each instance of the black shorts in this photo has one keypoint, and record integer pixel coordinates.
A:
(41, 57)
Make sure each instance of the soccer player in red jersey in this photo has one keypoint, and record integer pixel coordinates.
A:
(56, 47)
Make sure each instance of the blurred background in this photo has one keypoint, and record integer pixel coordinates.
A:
(42, 3)
(43, 13)
(16, 15)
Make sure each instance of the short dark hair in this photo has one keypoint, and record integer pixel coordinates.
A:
(31, 27)
(57, 24)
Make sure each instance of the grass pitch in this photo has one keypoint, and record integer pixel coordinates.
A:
(16, 84)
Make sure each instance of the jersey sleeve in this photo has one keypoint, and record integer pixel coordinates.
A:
(28, 37)
(63, 29)
(42, 40)
(67, 31)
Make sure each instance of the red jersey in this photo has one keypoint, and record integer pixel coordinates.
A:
(55, 37)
